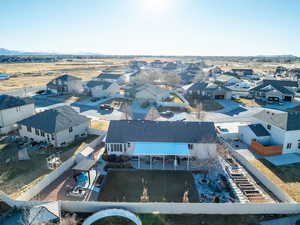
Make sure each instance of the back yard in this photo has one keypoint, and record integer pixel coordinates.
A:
(17, 176)
(287, 177)
(160, 186)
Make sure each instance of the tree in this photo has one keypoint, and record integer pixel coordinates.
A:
(127, 113)
(152, 114)
(200, 113)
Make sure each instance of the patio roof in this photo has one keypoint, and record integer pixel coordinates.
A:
(84, 165)
(160, 148)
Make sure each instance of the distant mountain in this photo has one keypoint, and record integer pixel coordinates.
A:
(4, 51)
(279, 56)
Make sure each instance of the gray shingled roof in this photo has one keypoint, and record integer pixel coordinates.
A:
(55, 120)
(199, 86)
(259, 130)
(103, 83)
(279, 85)
(67, 77)
(123, 131)
(8, 101)
(111, 76)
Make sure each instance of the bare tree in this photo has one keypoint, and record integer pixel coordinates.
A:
(200, 113)
(69, 220)
(127, 113)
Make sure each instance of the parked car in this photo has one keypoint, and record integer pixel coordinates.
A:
(106, 107)
(167, 114)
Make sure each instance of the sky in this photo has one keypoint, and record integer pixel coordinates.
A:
(152, 27)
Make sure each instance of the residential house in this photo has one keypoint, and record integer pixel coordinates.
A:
(161, 138)
(58, 126)
(102, 88)
(208, 90)
(277, 129)
(275, 90)
(170, 66)
(242, 72)
(227, 80)
(151, 93)
(12, 110)
(66, 84)
(117, 77)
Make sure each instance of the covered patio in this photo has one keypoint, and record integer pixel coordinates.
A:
(159, 155)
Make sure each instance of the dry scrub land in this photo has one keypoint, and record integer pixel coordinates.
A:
(39, 74)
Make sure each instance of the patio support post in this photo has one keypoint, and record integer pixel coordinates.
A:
(175, 163)
(188, 163)
(150, 162)
(163, 161)
(139, 163)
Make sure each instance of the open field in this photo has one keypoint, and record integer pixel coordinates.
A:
(12, 174)
(162, 186)
(39, 74)
(287, 177)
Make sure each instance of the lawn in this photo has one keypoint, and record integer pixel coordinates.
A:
(207, 105)
(100, 124)
(18, 176)
(162, 186)
(250, 102)
(148, 219)
(287, 177)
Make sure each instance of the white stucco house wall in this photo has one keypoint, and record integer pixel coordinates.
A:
(66, 84)
(151, 93)
(58, 126)
(284, 128)
(98, 88)
(254, 131)
(129, 137)
(12, 110)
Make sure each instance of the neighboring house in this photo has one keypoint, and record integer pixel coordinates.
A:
(227, 80)
(283, 128)
(208, 90)
(118, 77)
(151, 93)
(12, 110)
(170, 66)
(66, 84)
(242, 72)
(58, 126)
(186, 78)
(275, 90)
(102, 88)
(131, 137)
(254, 131)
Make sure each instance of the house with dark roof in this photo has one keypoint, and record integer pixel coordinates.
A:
(282, 128)
(208, 90)
(58, 126)
(65, 84)
(161, 138)
(102, 88)
(242, 72)
(254, 131)
(275, 90)
(12, 110)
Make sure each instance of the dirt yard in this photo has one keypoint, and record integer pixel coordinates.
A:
(162, 186)
(287, 177)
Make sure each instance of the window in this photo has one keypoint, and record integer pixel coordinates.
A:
(289, 145)
(28, 128)
(299, 144)
(42, 134)
(190, 146)
(52, 137)
(71, 129)
(121, 148)
(37, 132)
(269, 127)
(128, 145)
